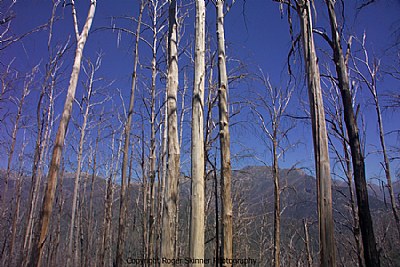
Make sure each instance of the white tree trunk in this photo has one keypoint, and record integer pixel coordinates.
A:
(197, 168)
(171, 193)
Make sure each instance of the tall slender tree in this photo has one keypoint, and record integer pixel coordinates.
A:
(370, 79)
(20, 104)
(153, 144)
(44, 121)
(320, 138)
(72, 243)
(47, 207)
(224, 136)
(107, 237)
(367, 231)
(197, 165)
(16, 214)
(90, 215)
(270, 108)
(168, 245)
(338, 131)
(125, 156)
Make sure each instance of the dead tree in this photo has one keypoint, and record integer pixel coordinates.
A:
(48, 200)
(90, 232)
(338, 131)
(107, 237)
(270, 108)
(226, 172)
(72, 244)
(372, 86)
(320, 138)
(370, 80)
(370, 251)
(20, 104)
(44, 121)
(155, 7)
(12, 260)
(127, 133)
(197, 168)
(168, 245)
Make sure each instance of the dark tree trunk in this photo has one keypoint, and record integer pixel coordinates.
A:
(367, 231)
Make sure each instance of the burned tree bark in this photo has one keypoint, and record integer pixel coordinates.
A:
(367, 232)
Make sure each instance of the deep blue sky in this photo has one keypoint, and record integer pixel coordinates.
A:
(256, 33)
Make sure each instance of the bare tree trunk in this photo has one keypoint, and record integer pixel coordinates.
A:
(277, 206)
(26, 90)
(356, 221)
(106, 253)
(11, 259)
(370, 252)
(161, 170)
(56, 243)
(217, 222)
(88, 259)
(144, 200)
(72, 228)
(321, 153)
(197, 168)
(122, 207)
(224, 135)
(307, 244)
(77, 255)
(372, 72)
(55, 246)
(163, 176)
(21, 101)
(386, 163)
(183, 109)
(168, 245)
(44, 128)
(339, 132)
(84, 218)
(105, 256)
(274, 103)
(152, 166)
(47, 207)
(152, 170)
(209, 158)
(34, 190)
(181, 119)
(39, 154)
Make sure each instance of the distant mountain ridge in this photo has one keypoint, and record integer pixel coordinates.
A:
(253, 200)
